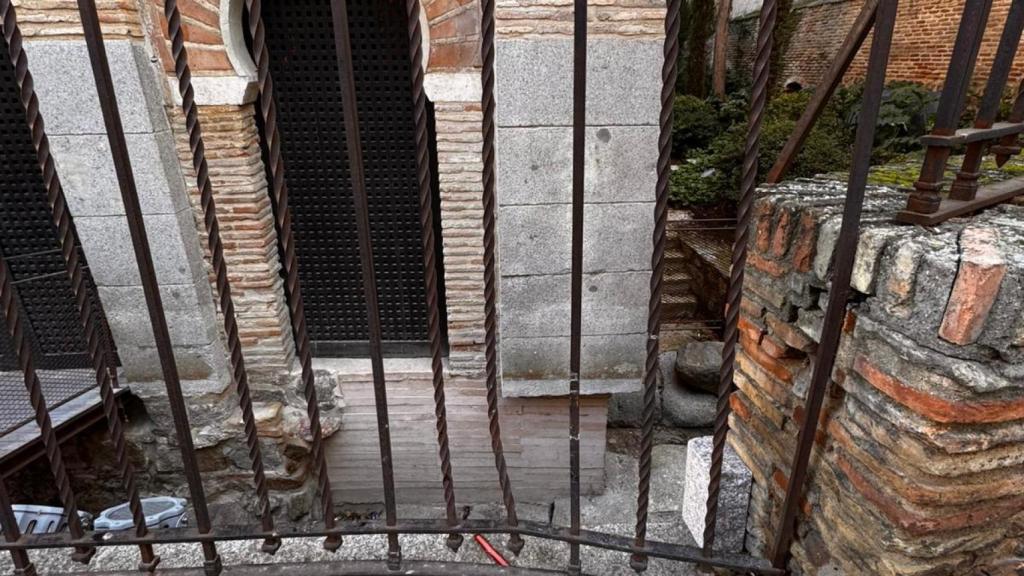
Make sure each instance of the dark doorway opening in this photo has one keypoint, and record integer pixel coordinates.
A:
(301, 44)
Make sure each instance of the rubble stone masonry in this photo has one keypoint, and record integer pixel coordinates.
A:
(919, 457)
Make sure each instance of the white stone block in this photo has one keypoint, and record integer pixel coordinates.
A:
(733, 499)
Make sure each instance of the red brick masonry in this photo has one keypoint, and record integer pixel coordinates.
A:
(919, 463)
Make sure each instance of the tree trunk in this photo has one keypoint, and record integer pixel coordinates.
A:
(721, 47)
(697, 56)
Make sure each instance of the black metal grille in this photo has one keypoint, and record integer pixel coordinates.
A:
(304, 66)
(28, 240)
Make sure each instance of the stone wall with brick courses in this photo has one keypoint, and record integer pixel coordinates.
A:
(58, 19)
(922, 44)
(247, 229)
(919, 456)
(531, 18)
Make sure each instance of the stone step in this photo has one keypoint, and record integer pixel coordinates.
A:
(678, 305)
(677, 281)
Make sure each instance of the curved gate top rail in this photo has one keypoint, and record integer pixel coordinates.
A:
(578, 539)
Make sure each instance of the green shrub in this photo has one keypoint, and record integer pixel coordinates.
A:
(907, 113)
(694, 125)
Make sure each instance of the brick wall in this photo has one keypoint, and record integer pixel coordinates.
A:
(247, 229)
(919, 457)
(922, 44)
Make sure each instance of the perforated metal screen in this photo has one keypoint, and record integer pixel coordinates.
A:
(28, 241)
(304, 68)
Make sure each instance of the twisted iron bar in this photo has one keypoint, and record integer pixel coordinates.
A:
(419, 96)
(23, 565)
(220, 269)
(515, 541)
(669, 74)
(97, 343)
(23, 350)
(289, 261)
(758, 103)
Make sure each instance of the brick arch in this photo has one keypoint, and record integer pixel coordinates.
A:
(454, 33)
(451, 32)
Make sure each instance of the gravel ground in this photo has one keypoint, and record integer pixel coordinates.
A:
(611, 512)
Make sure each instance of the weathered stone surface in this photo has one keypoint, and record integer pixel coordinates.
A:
(622, 82)
(616, 357)
(732, 501)
(698, 365)
(538, 239)
(685, 408)
(535, 306)
(536, 164)
(68, 98)
(87, 174)
(111, 256)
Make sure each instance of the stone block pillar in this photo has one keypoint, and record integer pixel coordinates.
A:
(534, 143)
(919, 458)
(78, 137)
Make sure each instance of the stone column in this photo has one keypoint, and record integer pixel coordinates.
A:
(77, 134)
(534, 115)
(917, 467)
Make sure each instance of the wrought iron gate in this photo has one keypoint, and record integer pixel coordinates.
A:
(360, 172)
(313, 133)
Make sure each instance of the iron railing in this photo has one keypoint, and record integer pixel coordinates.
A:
(880, 13)
(926, 204)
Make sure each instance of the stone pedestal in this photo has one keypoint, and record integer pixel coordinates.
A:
(732, 501)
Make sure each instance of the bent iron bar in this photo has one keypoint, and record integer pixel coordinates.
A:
(515, 542)
(669, 73)
(346, 76)
(846, 250)
(734, 297)
(289, 260)
(11, 308)
(220, 270)
(98, 343)
(144, 259)
(740, 563)
(419, 97)
(579, 138)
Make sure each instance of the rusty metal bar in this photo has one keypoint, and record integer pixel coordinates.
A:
(515, 542)
(289, 261)
(726, 386)
(579, 141)
(846, 250)
(833, 78)
(239, 375)
(965, 187)
(147, 273)
(1008, 145)
(11, 308)
(22, 563)
(669, 75)
(925, 198)
(740, 563)
(354, 146)
(423, 179)
(97, 338)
